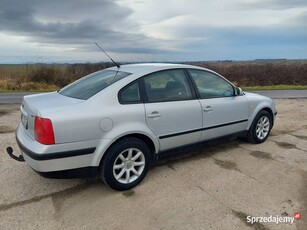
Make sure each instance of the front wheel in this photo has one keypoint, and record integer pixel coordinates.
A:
(260, 128)
(126, 164)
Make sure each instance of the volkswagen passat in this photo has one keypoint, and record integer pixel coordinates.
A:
(116, 122)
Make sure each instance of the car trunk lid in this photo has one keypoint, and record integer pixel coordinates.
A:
(35, 105)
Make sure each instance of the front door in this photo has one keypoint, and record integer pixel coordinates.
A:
(223, 112)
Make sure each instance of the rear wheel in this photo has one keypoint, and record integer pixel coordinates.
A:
(126, 164)
(260, 128)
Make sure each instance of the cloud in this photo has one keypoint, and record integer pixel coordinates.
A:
(73, 23)
(235, 29)
(275, 4)
(154, 29)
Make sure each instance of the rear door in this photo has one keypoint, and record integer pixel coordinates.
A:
(223, 112)
(172, 111)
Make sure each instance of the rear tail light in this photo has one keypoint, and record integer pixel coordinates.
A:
(43, 131)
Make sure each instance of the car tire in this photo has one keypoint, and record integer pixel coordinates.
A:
(260, 128)
(126, 164)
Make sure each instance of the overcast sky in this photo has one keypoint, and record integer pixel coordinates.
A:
(151, 30)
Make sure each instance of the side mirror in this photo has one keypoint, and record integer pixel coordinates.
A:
(238, 91)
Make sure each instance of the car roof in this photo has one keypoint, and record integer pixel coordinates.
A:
(150, 67)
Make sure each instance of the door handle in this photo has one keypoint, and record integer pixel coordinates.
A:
(154, 114)
(208, 109)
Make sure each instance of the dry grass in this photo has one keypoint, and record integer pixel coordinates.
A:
(43, 77)
(261, 73)
(252, 75)
(13, 85)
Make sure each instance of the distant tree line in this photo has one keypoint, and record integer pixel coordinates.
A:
(261, 73)
(52, 74)
(253, 73)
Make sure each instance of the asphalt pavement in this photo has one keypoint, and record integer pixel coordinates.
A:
(13, 98)
(16, 98)
(283, 94)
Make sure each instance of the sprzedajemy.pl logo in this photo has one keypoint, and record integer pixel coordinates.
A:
(273, 219)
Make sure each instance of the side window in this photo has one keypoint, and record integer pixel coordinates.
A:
(168, 85)
(130, 94)
(210, 85)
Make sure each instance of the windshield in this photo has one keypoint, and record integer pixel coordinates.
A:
(93, 83)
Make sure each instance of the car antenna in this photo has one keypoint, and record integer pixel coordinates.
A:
(118, 66)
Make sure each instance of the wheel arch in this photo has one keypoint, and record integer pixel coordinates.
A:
(252, 135)
(270, 112)
(257, 110)
(147, 140)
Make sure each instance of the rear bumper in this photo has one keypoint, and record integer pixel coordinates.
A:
(54, 155)
(85, 172)
(54, 160)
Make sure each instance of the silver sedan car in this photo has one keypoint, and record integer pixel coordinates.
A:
(116, 122)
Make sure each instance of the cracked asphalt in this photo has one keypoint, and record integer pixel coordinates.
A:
(203, 189)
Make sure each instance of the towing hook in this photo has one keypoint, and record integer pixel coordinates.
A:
(9, 151)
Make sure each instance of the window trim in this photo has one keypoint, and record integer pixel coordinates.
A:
(215, 74)
(137, 81)
(195, 94)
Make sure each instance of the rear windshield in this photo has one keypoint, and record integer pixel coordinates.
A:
(93, 83)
